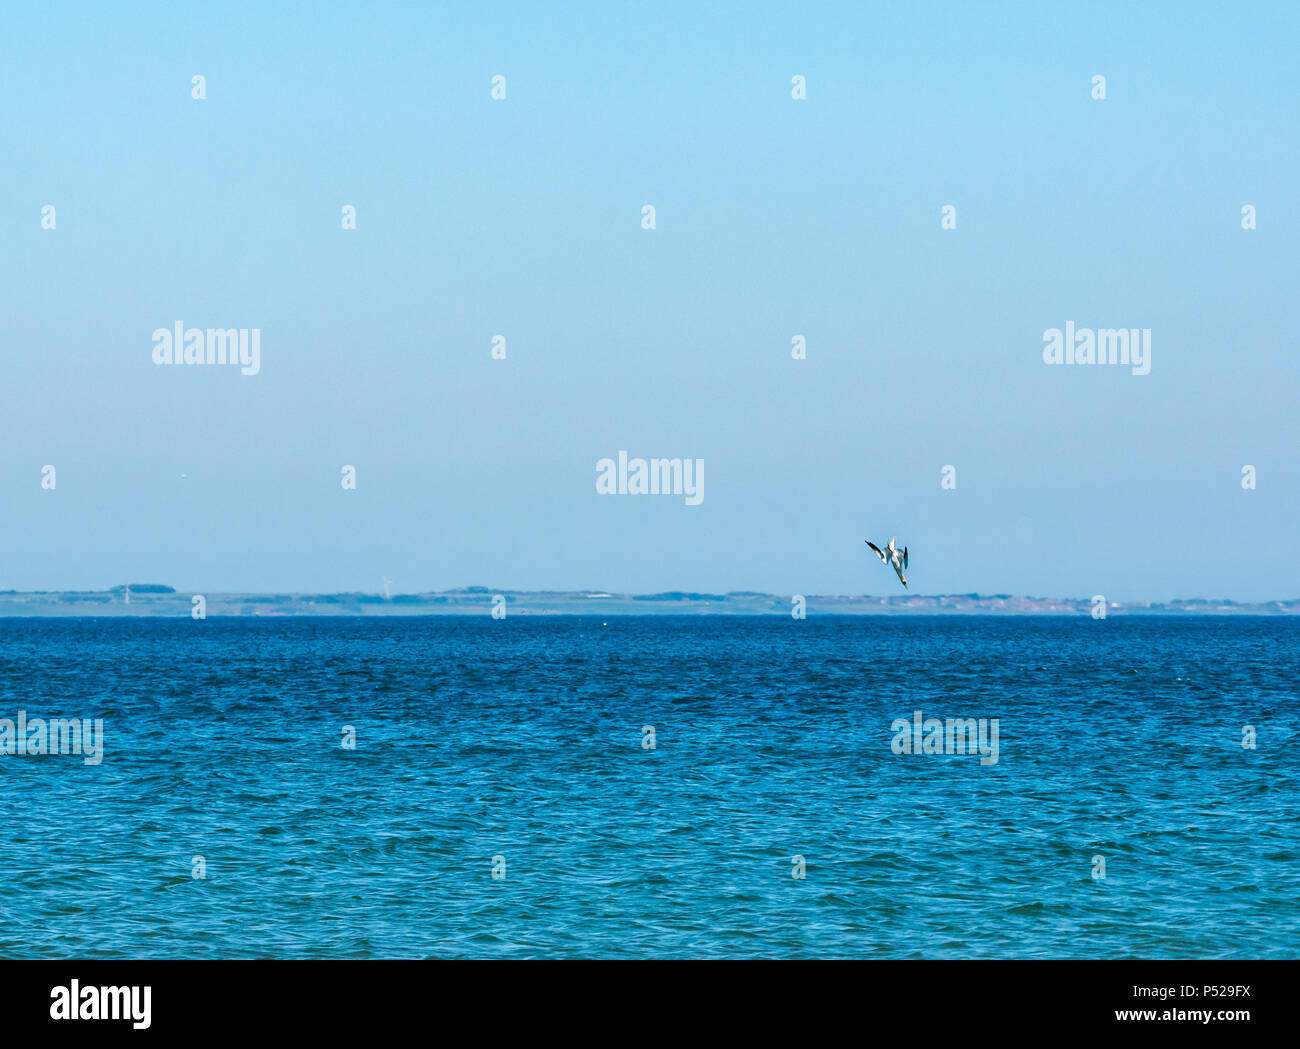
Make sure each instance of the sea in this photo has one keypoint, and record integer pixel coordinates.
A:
(653, 787)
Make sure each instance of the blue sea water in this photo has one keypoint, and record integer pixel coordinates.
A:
(523, 739)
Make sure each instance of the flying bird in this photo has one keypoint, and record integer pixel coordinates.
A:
(892, 556)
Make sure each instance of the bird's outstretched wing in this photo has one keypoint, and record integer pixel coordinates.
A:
(875, 549)
(904, 557)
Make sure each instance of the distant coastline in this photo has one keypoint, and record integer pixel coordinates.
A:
(160, 600)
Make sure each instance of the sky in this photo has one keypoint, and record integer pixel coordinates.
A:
(774, 217)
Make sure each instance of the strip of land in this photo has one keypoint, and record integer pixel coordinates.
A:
(142, 599)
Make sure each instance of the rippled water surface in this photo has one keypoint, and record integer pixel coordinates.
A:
(523, 739)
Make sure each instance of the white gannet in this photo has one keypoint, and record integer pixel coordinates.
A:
(892, 556)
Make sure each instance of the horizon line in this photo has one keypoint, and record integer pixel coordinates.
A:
(158, 593)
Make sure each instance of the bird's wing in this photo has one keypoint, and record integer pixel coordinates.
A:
(904, 557)
(875, 548)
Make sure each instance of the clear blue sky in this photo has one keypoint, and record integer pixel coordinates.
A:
(775, 217)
